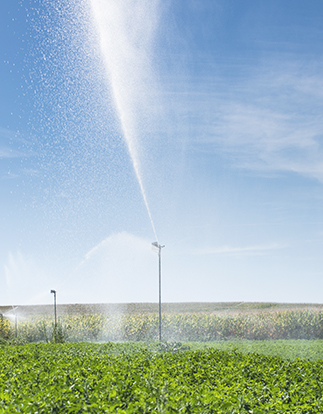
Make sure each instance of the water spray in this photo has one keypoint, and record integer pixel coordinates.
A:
(9, 314)
(125, 31)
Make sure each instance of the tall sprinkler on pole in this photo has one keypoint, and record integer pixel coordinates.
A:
(159, 247)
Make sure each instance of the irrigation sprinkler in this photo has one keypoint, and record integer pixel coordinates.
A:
(9, 313)
(14, 308)
(159, 247)
(55, 313)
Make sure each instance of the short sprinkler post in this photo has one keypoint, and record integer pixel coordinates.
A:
(14, 309)
(159, 247)
(55, 312)
(12, 313)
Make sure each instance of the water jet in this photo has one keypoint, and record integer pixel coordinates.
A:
(125, 31)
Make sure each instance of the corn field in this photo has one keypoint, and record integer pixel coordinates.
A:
(199, 326)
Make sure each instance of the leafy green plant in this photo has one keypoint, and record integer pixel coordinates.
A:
(5, 329)
(58, 334)
(172, 347)
(136, 378)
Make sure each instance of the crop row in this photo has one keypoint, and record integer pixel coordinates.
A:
(300, 324)
(134, 378)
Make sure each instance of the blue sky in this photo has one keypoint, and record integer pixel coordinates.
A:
(195, 122)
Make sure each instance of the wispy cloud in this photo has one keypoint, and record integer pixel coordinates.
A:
(31, 172)
(268, 120)
(246, 250)
(6, 152)
(9, 176)
(261, 138)
(10, 145)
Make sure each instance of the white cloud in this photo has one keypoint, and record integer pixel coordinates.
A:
(32, 172)
(246, 250)
(271, 120)
(9, 176)
(7, 150)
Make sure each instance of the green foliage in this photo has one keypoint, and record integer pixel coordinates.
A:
(135, 378)
(58, 334)
(176, 327)
(5, 329)
(284, 348)
(172, 347)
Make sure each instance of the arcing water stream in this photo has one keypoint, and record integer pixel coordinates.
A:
(125, 30)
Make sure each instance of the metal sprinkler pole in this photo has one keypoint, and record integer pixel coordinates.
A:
(16, 326)
(55, 313)
(160, 328)
(159, 247)
(14, 309)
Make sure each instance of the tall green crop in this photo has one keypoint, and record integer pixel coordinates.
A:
(199, 326)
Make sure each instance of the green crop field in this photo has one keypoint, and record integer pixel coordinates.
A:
(184, 326)
(289, 349)
(264, 358)
(138, 378)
